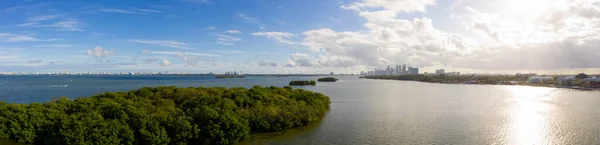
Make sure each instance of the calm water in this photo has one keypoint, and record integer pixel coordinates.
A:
(384, 112)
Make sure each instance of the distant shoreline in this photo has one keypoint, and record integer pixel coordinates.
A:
(478, 83)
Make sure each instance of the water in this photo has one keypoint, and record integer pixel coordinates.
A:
(384, 111)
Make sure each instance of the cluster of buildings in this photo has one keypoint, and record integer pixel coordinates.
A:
(443, 72)
(397, 70)
(232, 73)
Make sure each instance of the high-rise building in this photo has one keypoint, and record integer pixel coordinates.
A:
(413, 71)
(404, 71)
(440, 72)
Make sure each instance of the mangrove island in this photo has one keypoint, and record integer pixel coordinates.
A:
(162, 115)
(327, 79)
(302, 83)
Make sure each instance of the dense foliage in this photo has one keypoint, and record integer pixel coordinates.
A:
(327, 79)
(303, 83)
(473, 79)
(581, 76)
(162, 115)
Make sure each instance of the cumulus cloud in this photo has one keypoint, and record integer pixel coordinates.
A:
(278, 36)
(267, 63)
(99, 53)
(165, 62)
(554, 37)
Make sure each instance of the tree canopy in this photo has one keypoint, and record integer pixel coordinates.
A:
(162, 115)
(581, 76)
(327, 79)
(302, 83)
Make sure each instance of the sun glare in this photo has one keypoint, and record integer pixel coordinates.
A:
(528, 114)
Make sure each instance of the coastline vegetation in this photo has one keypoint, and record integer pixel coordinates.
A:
(162, 115)
(302, 83)
(577, 83)
(327, 79)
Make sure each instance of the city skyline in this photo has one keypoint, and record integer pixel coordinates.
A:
(313, 36)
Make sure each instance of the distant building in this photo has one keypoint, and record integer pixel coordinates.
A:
(413, 71)
(331, 73)
(565, 79)
(440, 72)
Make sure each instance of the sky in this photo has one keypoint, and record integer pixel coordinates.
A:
(300, 36)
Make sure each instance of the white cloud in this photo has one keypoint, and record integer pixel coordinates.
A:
(165, 62)
(8, 37)
(225, 43)
(247, 18)
(497, 35)
(166, 43)
(100, 53)
(210, 28)
(145, 51)
(51, 21)
(280, 22)
(267, 63)
(227, 38)
(54, 45)
(130, 11)
(233, 32)
(391, 5)
(278, 36)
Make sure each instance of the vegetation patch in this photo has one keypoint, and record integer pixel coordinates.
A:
(162, 115)
(303, 83)
(327, 79)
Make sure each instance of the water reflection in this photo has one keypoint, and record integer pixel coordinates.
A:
(281, 137)
(528, 115)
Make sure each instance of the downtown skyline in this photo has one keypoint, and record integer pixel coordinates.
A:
(312, 37)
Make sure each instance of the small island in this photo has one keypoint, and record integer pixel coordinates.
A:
(163, 115)
(327, 79)
(303, 83)
(229, 77)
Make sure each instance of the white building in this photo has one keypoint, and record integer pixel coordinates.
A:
(566, 79)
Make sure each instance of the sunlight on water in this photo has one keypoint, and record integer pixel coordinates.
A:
(529, 115)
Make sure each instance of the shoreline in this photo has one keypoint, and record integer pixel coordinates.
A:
(558, 87)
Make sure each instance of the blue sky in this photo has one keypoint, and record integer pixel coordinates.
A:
(283, 36)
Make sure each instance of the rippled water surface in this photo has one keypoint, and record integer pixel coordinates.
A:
(384, 111)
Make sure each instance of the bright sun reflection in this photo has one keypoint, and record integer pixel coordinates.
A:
(528, 115)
